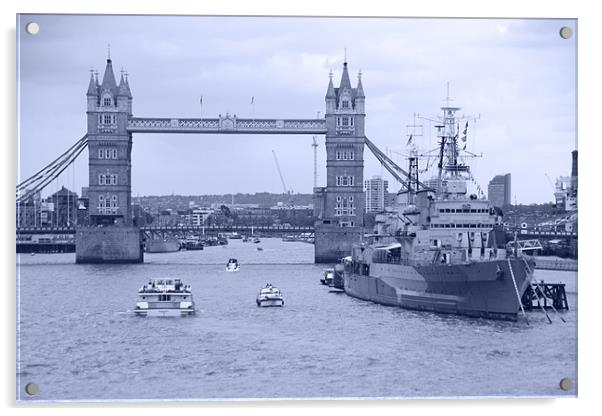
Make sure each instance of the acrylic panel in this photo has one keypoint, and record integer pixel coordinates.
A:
(215, 207)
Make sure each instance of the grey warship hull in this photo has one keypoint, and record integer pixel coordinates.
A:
(481, 289)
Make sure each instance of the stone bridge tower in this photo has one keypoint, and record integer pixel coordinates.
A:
(111, 236)
(110, 150)
(339, 206)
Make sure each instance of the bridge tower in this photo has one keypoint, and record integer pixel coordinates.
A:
(110, 238)
(339, 206)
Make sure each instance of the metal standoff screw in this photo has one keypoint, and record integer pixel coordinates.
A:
(31, 389)
(32, 28)
(566, 384)
(566, 32)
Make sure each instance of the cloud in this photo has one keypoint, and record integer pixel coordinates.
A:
(518, 75)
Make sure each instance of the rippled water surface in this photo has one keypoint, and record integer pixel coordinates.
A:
(79, 340)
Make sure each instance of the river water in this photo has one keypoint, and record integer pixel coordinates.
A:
(79, 340)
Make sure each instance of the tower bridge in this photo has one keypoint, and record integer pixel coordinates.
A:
(112, 236)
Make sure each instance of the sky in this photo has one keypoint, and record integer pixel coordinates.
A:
(514, 79)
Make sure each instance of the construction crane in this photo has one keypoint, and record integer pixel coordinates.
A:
(550, 181)
(286, 191)
(315, 146)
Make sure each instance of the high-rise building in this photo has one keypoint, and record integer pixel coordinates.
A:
(499, 191)
(376, 190)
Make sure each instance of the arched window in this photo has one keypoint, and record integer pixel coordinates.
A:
(106, 101)
(345, 103)
(114, 151)
(101, 153)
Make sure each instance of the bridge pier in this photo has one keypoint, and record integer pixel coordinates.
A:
(112, 244)
(332, 242)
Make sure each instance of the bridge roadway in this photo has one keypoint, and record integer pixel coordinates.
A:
(184, 228)
(522, 232)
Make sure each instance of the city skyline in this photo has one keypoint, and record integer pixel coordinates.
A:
(525, 93)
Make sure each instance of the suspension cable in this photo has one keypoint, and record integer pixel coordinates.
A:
(52, 164)
(46, 175)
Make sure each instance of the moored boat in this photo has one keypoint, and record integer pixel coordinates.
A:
(327, 277)
(270, 296)
(165, 297)
(193, 244)
(161, 245)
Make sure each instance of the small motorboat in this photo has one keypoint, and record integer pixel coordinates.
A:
(270, 296)
(327, 277)
(259, 248)
(233, 265)
(164, 297)
(256, 240)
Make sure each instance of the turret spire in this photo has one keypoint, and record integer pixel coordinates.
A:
(359, 92)
(345, 82)
(108, 80)
(92, 87)
(330, 93)
(124, 88)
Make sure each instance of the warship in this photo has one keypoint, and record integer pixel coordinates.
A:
(440, 248)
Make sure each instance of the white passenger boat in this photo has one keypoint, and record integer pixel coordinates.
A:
(164, 297)
(232, 266)
(270, 296)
